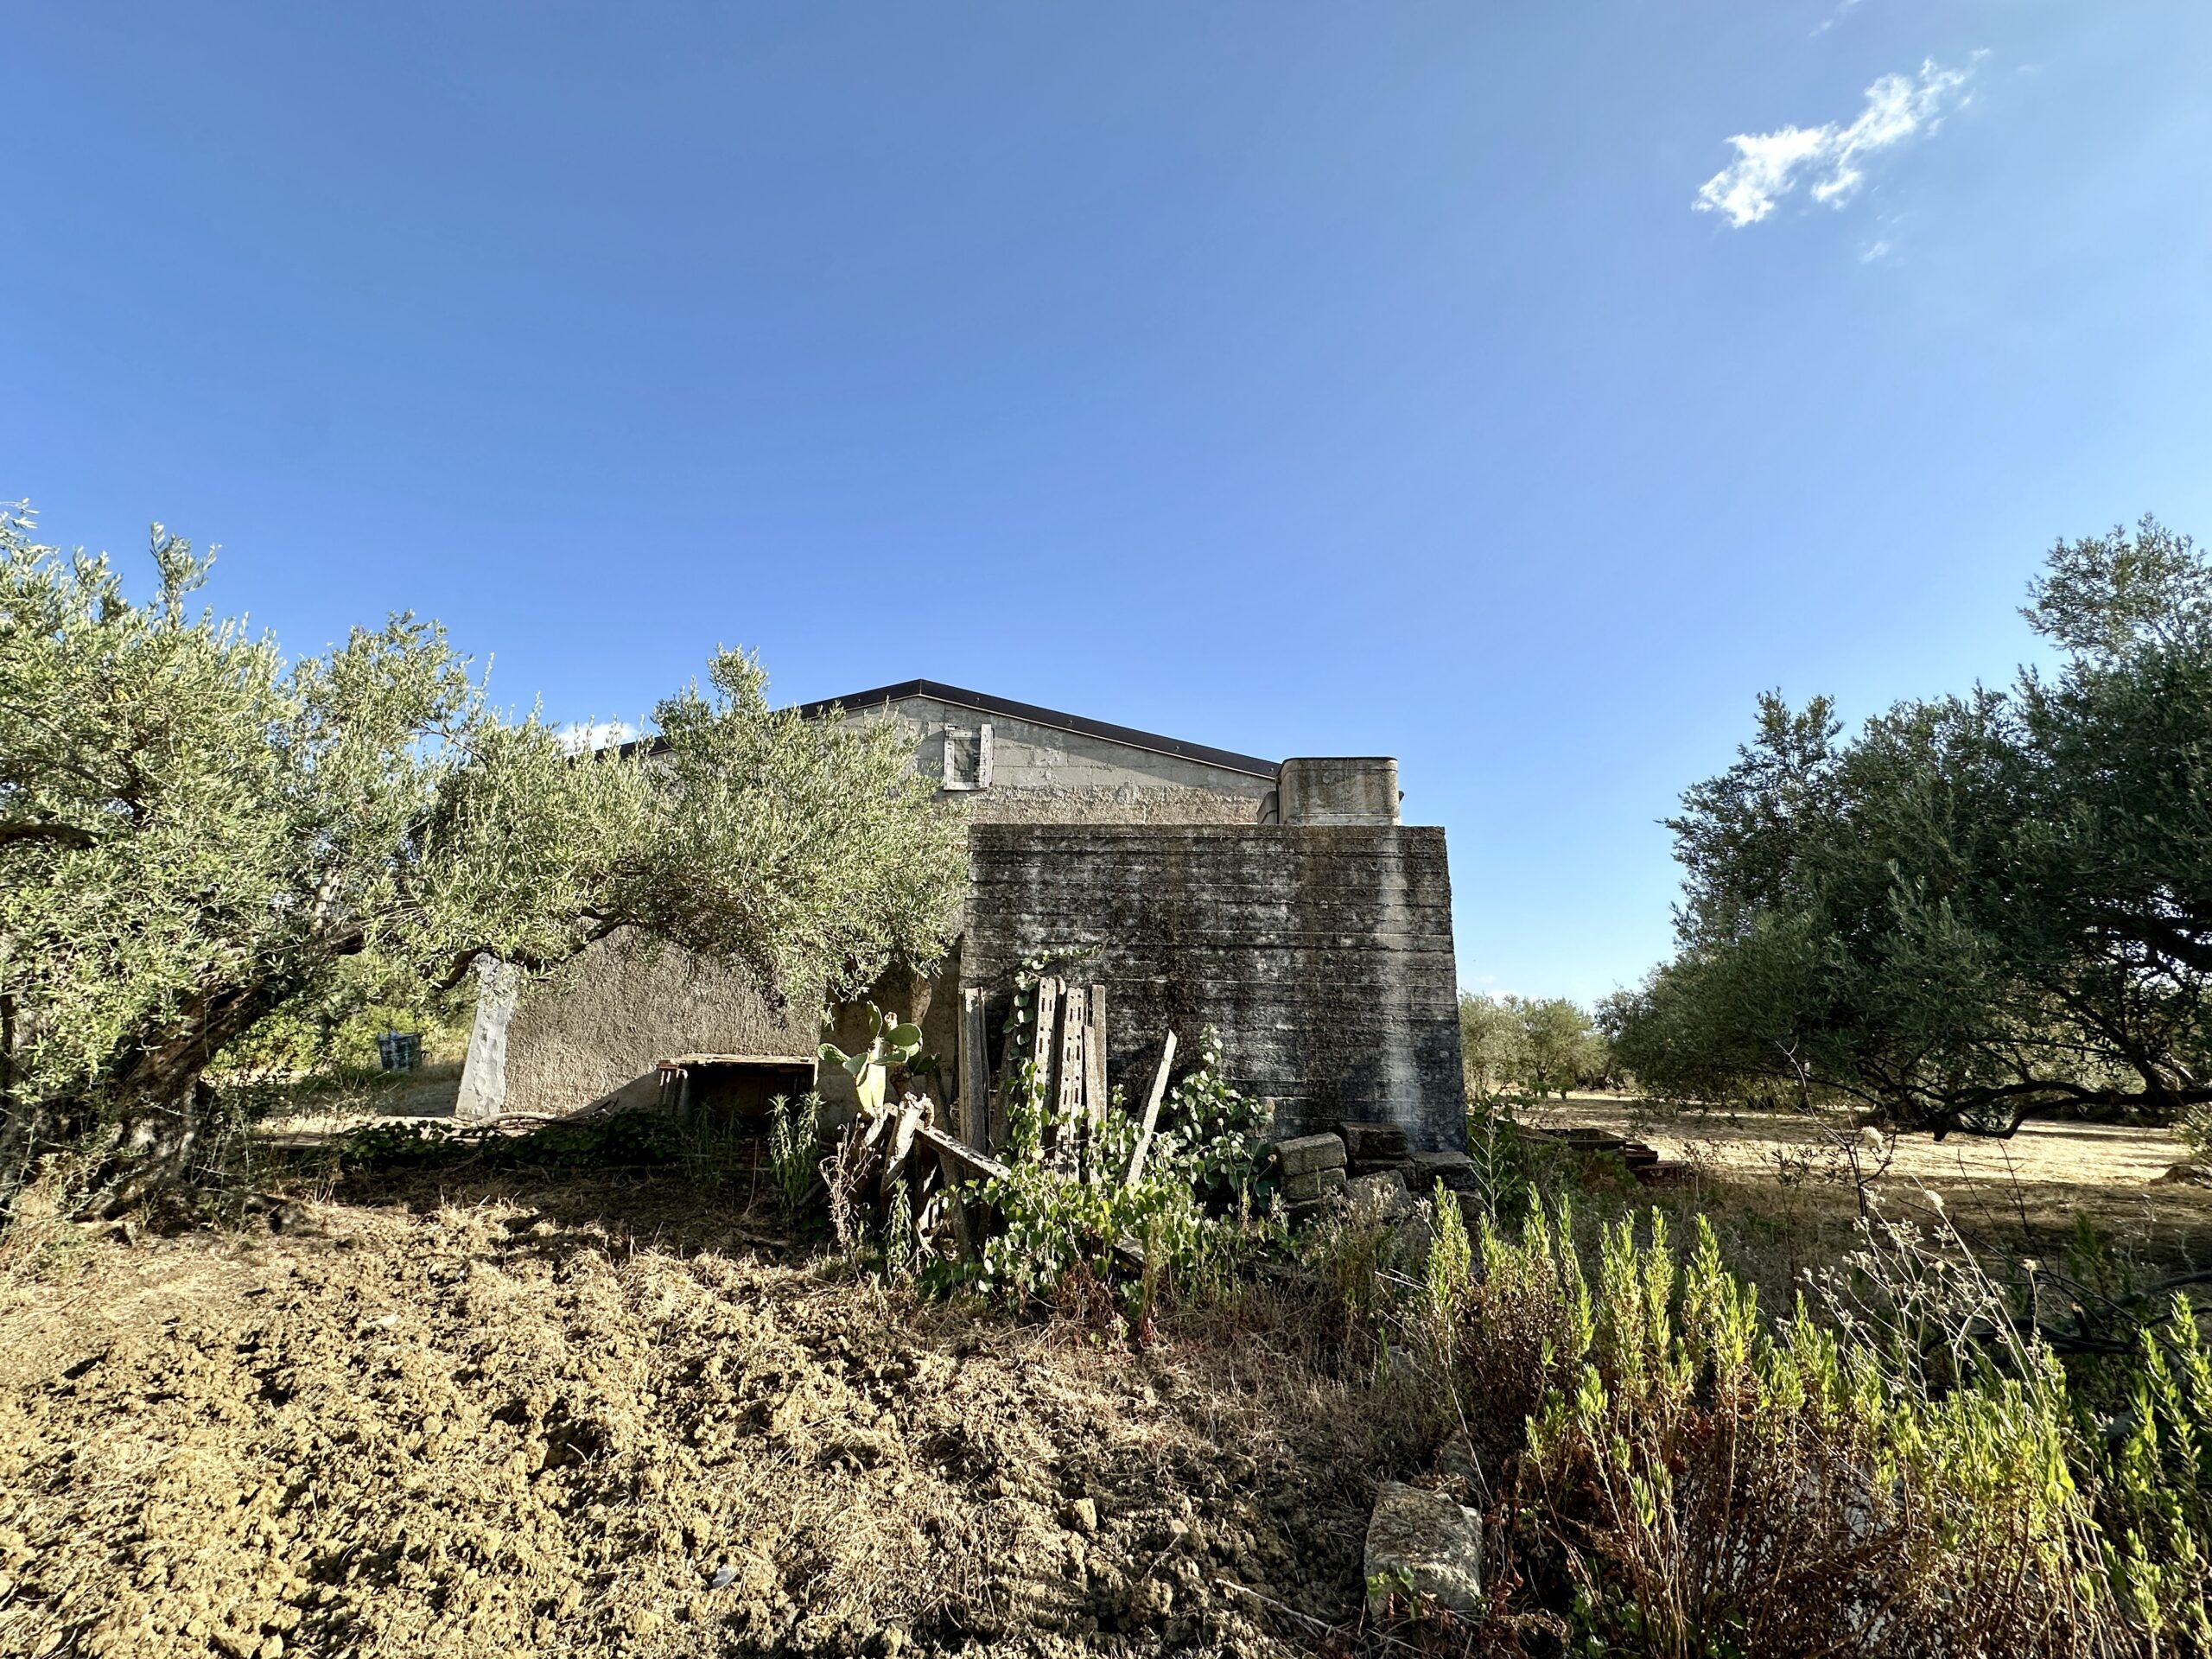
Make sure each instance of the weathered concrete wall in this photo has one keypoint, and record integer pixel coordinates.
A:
(1338, 789)
(605, 1021)
(1084, 774)
(1322, 955)
(1120, 803)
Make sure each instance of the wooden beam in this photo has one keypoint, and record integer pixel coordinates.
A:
(1152, 1111)
(1094, 1056)
(1044, 1045)
(973, 1122)
(959, 1153)
(1067, 1109)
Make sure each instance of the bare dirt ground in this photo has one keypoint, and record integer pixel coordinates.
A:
(592, 1419)
(600, 1416)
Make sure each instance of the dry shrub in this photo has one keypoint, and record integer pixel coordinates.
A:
(1529, 1315)
(1905, 1473)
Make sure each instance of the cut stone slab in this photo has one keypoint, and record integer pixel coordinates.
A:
(1313, 1184)
(1304, 1215)
(1381, 1197)
(1429, 1538)
(1376, 1144)
(1309, 1153)
(1455, 1169)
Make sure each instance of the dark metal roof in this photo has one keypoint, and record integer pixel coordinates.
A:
(983, 702)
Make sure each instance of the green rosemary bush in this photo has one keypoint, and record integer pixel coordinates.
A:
(1903, 1470)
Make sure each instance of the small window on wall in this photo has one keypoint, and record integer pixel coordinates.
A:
(968, 757)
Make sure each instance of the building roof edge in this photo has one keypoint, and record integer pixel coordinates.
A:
(984, 703)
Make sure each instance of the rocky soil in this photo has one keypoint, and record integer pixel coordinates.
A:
(593, 1419)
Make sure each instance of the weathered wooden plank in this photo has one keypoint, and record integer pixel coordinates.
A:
(1151, 1110)
(972, 1123)
(959, 1153)
(1044, 1046)
(1094, 1055)
(1068, 1107)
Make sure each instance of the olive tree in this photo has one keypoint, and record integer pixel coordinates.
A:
(1979, 906)
(1539, 1045)
(196, 832)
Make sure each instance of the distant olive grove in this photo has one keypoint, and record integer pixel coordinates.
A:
(1513, 1044)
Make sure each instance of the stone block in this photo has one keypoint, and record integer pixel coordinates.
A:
(1411, 1240)
(1314, 1184)
(1376, 1144)
(1428, 1541)
(1455, 1169)
(1382, 1198)
(1309, 1153)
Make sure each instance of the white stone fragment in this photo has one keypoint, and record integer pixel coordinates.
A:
(1429, 1540)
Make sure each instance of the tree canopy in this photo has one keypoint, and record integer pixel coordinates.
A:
(1539, 1045)
(1979, 906)
(195, 832)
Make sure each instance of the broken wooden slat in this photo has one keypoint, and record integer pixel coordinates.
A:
(1152, 1111)
(960, 1154)
(1067, 1107)
(911, 1115)
(972, 1123)
(1094, 1056)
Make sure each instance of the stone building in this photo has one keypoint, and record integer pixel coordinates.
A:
(1283, 903)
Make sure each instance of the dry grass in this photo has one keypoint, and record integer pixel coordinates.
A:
(332, 1106)
(1784, 1199)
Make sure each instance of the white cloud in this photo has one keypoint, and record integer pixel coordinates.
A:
(1770, 165)
(579, 735)
(1833, 18)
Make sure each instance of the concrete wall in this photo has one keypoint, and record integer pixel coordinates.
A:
(1325, 963)
(1042, 773)
(1102, 803)
(1338, 790)
(1322, 955)
(603, 1023)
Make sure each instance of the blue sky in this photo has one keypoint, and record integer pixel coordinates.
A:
(1517, 390)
